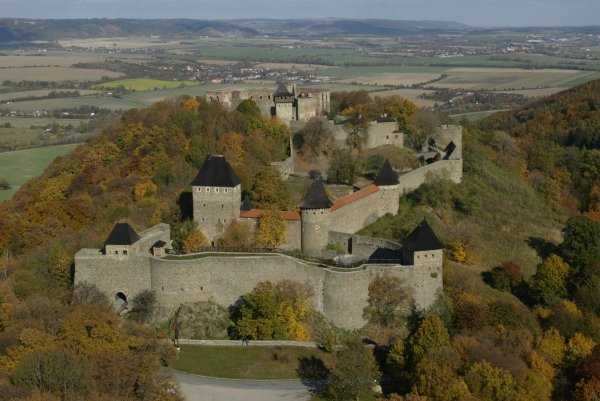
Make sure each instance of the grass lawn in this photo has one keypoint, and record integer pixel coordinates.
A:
(246, 362)
(144, 84)
(19, 166)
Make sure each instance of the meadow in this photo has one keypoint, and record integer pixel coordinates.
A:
(19, 166)
(56, 74)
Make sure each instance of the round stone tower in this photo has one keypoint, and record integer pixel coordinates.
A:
(216, 196)
(315, 210)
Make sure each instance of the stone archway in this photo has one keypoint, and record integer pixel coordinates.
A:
(120, 302)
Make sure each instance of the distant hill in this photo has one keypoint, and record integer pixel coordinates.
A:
(23, 30)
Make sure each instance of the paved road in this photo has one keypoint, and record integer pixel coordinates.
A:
(202, 388)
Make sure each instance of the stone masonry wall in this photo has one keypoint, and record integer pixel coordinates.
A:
(340, 296)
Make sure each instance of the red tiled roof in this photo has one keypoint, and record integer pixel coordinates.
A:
(353, 197)
(257, 213)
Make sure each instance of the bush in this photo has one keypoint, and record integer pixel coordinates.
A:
(507, 276)
(144, 306)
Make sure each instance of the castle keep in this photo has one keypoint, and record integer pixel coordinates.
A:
(298, 105)
(132, 262)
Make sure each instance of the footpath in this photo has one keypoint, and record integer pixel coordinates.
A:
(247, 343)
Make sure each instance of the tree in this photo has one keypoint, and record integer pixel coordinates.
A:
(60, 372)
(422, 125)
(87, 293)
(144, 306)
(401, 109)
(581, 243)
(273, 312)
(507, 276)
(238, 234)
(317, 138)
(357, 125)
(353, 372)
(194, 242)
(344, 167)
(490, 383)
(389, 301)
(430, 335)
(269, 190)
(549, 283)
(271, 231)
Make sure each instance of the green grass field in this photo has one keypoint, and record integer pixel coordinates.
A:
(19, 166)
(245, 362)
(144, 84)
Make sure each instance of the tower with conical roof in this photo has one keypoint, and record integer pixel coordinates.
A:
(424, 251)
(315, 210)
(216, 193)
(389, 189)
(284, 103)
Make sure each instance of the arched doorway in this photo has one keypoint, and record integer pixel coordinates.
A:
(120, 302)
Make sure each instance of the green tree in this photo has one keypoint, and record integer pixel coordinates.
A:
(353, 372)
(344, 167)
(490, 383)
(430, 335)
(269, 190)
(4, 183)
(581, 243)
(549, 283)
(389, 301)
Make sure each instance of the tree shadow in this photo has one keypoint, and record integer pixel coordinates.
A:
(488, 278)
(186, 205)
(313, 374)
(542, 247)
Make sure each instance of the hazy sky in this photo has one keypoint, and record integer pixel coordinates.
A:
(472, 12)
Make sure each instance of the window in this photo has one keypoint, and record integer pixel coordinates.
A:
(216, 189)
(116, 252)
(202, 219)
(198, 189)
(225, 190)
(207, 189)
(221, 206)
(124, 252)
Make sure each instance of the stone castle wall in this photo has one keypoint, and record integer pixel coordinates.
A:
(340, 296)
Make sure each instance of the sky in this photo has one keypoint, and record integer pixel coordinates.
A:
(471, 12)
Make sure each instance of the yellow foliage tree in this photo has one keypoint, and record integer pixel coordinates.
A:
(194, 242)
(144, 189)
(462, 253)
(578, 347)
(271, 231)
(30, 340)
(538, 362)
(553, 345)
(191, 104)
(239, 234)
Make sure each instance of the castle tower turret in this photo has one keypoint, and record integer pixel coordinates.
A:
(424, 251)
(316, 216)
(216, 195)
(389, 189)
(284, 103)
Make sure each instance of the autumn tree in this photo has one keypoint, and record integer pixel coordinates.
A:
(269, 190)
(353, 372)
(194, 242)
(273, 311)
(401, 109)
(422, 124)
(507, 276)
(271, 231)
(549, 283)
(389, 301)
(238, 234)
(430, 335)
(490, 383)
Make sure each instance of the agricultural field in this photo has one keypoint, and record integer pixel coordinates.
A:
(19, 166)
(25, 130)
(143, 84)
(31, 60)
(512, 78)
(55, 74)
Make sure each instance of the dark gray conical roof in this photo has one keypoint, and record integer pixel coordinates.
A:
(422, 239)
(387, 175)
(246, 204)
(122, 234)
(316, 198)
(216, 172)
(282, 91)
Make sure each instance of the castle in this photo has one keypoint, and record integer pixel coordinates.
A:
(298, 105)
(131, 262)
